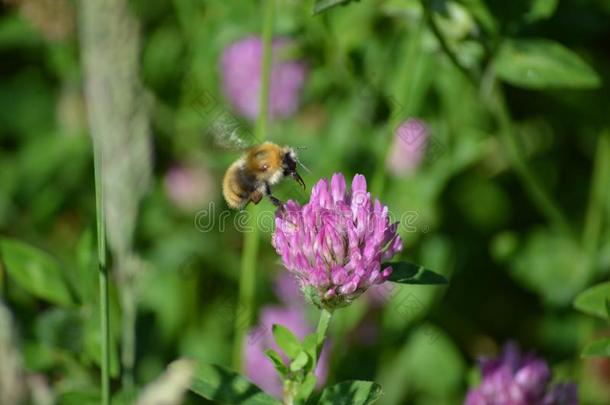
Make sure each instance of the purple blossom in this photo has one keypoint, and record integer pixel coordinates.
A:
(334, 245)
(408, 148)
(241, 78)
(516, 379)
(188, 187)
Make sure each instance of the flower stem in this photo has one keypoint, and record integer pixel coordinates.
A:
(323, 323)
(247, 281)
(102, 275)
(533, 187)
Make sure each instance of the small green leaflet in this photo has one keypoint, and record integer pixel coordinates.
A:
(35, 271)
(351, 393)
(286, 340)
(410, 273)
(220, 384)
(599, 348)
(542, 64)
(593, 301)
(277, 361)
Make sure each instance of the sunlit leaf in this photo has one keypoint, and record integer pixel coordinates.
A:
(307, 386)
(541, 64)
(35, 271)
(220, 384)
(286, 340)
(299, 362)
(351, 393)
(599, 348)
(277, 361)
(593, 300)
(541, 9)
(410, 273)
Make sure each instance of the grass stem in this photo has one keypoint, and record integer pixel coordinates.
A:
(247, 281)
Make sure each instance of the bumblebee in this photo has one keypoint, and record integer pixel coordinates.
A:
(250, 177)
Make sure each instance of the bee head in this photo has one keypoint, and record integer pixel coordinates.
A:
(289, 165)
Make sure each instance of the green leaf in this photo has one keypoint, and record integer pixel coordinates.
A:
(306, 387)
(599, 348)
(410, 273)
(541, 9)
(481, 13)
(286, 340)
(220, 384)
(351, 393)
(593, 300)
(310, 344)
(35, 271)
(277, 361)
(541, 64)
(324, 5)
(299, 362)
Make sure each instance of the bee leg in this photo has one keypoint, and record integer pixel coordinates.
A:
(274, 200)
(256, 197)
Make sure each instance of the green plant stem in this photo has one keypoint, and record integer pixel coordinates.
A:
(323, 323)
(2, 278)
(412, 61)
(128, 338)
(537, 193)
(444, 45)
(247, 282)
(102, 275)
(597, 197)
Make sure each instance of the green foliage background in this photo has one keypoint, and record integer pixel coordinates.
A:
(515, 261)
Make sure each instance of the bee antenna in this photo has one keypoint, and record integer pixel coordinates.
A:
(303, 166)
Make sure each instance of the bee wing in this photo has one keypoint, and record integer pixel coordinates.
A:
(231, 135)
(224, 128)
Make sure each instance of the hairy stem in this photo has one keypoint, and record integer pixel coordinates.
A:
(247, 281)
(323, 323)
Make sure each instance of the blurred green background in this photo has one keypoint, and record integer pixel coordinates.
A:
(515, 260)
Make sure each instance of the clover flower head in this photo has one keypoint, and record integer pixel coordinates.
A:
(516, 379)
(241, 65)
(335, 244)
